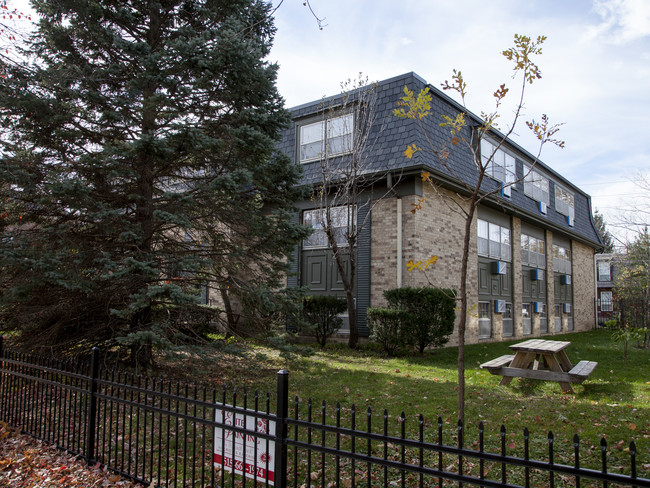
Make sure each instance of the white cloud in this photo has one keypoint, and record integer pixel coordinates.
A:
(623, 21)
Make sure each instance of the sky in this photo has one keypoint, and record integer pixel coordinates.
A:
(595, 71)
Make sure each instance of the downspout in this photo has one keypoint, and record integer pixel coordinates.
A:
(595, 292)
(400, 251)
(399, 242)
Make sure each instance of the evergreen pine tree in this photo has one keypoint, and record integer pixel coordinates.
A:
(138, 163)
(605, 236)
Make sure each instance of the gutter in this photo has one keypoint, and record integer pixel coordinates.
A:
(399, 246)
(446, 182)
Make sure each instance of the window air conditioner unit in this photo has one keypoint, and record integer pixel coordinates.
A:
(570, 220)
(498, 267)
(499, 306)
(506, 191)
(565, 279)
(536, 275)
(542, 207)
(567, 308)
(538, 307)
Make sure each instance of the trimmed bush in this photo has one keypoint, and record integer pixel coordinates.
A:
(386, 328)
(320, 316)
(267, 312)
(431, 314)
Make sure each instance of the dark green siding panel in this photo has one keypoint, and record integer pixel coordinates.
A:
(363, 269)
(294, 261)
(315, 271)
(483, 278)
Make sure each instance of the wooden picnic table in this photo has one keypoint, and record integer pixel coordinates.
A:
(540, 359)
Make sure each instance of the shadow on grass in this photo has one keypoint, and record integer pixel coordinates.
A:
(527, 386)
(596, 391)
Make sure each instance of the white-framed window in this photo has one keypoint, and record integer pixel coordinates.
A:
(484, 320)
(343, 221)
(561, 259)
(536, 186)
(564, 201)
(606, 303)
(526, 319)
(558, 317)
(494, 241)
(543, 319)
(502, 165)
(604, 273)
(533, 251)
(568, 311)
(326, 138)
(507, 320)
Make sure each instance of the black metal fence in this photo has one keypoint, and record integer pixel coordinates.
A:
(173, 434)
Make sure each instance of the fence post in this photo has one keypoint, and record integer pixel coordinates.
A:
(92, 406)
(1, 363)
(282, 412)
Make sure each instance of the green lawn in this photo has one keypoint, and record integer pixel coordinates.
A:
(613, 403)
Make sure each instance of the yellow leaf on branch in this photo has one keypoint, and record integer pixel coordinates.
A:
(431, 261)
(410, 266)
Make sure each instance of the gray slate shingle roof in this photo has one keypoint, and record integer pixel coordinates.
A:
(392, 135)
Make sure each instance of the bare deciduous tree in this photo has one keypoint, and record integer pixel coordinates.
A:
(634, 213)
(343, 194)
(466, 133)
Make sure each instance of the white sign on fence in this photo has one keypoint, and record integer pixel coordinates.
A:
(244, 462)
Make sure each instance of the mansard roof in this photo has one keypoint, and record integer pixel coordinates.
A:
(391, 135)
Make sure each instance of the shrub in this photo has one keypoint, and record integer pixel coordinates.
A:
(431, 314)
(386, 328)
(320, 316)
(626, 333)
(267, 311)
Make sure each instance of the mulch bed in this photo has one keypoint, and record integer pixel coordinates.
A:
(28, 463)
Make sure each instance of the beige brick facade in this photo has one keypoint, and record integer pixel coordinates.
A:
(517, 302)
(437, 230)
(550, 282)
(584, 279)
(525, 207)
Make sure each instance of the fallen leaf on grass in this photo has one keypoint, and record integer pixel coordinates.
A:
(27, 462)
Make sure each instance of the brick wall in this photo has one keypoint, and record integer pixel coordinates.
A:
(437, 230)
(383, 245)
(584, 280)
(550, 283)
(517, 302)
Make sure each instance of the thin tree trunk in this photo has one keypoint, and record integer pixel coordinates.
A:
(353, 339)
(348, 280)
(462, 325)
(231, 322)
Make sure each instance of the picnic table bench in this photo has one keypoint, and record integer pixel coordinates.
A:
(540, 359)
